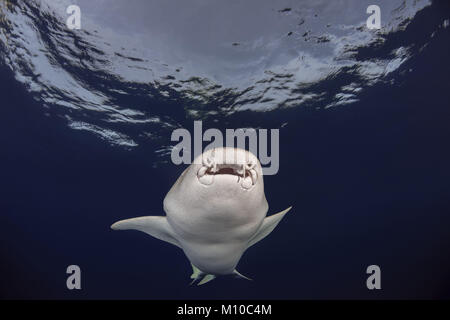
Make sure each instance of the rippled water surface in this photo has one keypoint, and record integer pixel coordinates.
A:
(138, 69)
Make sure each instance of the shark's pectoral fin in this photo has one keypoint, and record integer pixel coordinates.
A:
(156, 226)
(269, 223)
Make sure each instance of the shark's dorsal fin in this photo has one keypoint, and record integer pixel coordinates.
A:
(269, 223)
(156, 226)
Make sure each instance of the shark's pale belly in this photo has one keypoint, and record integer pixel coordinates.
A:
(212, 245)
(218, 258)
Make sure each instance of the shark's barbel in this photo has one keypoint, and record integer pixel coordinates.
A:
(215, 211)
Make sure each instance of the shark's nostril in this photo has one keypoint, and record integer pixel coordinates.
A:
(208, 162)
(241, 170)
(202, 171)
(204, 177)
(254, 176)
(247, 182)
(250, 165)
(249, 179)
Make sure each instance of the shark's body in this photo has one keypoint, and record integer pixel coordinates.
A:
(215, 211)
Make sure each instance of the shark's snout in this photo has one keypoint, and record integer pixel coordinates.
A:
(228, 162)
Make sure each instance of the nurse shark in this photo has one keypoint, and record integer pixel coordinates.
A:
(215, 211)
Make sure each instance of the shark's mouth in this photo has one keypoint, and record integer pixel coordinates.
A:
(245, 173)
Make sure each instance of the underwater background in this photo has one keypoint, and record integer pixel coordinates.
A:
(364, 116)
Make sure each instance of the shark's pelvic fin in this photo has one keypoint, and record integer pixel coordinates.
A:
(269, 223)
(206, 279)
(239, 275)
(156, 226)
(197, 274)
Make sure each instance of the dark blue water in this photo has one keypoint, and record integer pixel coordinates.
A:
(369, 184)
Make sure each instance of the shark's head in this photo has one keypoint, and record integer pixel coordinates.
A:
(220, 180)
